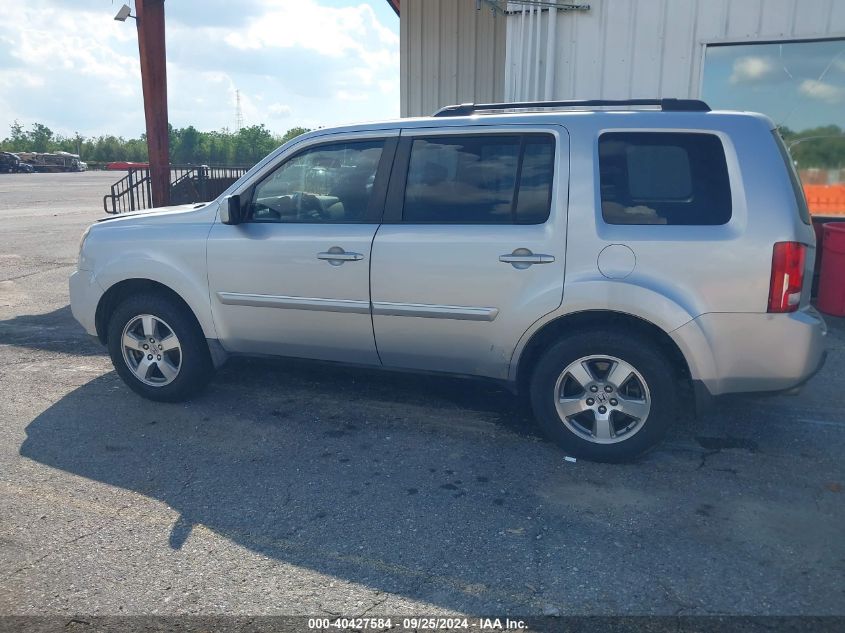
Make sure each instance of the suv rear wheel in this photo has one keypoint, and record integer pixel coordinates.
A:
(604, 396)
(158, 349)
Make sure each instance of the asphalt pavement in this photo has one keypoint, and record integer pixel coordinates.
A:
(298, 488)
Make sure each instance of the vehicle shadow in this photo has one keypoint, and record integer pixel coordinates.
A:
(319, 467)
(55, 331)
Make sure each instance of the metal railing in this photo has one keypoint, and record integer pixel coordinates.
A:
(188, 183)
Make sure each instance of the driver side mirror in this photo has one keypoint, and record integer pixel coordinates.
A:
(231, 211)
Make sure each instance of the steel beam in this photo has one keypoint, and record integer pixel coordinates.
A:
(150, 20)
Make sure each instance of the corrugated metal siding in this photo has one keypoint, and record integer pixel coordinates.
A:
(450, 52)
(644, 48)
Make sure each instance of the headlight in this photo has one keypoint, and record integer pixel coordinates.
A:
(82, 244)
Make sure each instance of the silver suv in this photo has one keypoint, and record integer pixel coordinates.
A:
(616, 261)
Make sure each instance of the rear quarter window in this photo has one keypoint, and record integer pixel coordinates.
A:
(794, 180)
(664, 178)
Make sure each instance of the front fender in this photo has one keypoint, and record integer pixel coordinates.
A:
(186, 279)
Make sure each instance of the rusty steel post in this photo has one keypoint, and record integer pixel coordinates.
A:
(150, 20)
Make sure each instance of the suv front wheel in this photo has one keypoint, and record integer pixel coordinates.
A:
(158, 349)
(604, 396)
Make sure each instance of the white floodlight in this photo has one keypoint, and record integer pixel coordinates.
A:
(125, 12)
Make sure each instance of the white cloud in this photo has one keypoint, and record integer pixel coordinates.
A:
(753, 68)
(279, 110)
(309, 62)
(822, 91)
(307, 24)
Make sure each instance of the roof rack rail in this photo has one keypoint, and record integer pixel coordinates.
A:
(666, 105)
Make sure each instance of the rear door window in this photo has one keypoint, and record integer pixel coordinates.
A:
(480, 179)
(669, 178)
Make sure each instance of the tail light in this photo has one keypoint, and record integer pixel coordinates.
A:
(787, 276)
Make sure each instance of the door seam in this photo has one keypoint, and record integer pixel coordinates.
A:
(370, 283)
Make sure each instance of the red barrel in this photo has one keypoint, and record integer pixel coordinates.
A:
(831, 299)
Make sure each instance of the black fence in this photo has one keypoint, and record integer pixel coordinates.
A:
(188, 183)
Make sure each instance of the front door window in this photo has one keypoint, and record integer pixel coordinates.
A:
(328, 183)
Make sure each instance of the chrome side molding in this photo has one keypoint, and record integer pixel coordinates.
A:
(294, 303)
(385, 308)
(432, 311)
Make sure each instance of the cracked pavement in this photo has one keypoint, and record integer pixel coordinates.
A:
(297, 488)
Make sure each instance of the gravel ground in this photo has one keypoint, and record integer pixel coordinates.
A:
(295, 488)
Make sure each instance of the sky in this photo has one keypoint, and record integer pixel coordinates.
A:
(69, 65)
(800, 85)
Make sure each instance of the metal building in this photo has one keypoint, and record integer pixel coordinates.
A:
(451, 51)
(456, 51)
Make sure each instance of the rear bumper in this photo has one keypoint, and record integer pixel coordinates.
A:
(743, 352)
(818, 368)
(85, 294)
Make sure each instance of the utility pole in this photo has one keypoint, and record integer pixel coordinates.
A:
(150, 21)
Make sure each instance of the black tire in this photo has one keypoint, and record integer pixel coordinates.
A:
(659, 374)
(196, 368)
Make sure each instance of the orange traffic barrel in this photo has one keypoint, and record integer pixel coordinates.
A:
(831, 299)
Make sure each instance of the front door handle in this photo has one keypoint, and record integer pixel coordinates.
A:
(336, 256)
(523, 258)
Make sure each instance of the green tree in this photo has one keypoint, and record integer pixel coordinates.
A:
(253, 143)
(41, 138)
(187, 145)
(820, 147)
(17, 141)
(292, 134)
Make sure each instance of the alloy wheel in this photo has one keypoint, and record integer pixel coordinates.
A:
(151, 350)
(602, 399)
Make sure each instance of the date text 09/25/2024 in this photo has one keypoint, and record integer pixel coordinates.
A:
(434, 624)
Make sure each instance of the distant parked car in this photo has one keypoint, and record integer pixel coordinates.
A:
(11, 164)
(616, 266)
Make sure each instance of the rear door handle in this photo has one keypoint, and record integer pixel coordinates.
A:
(336, 256)
(523, 258)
